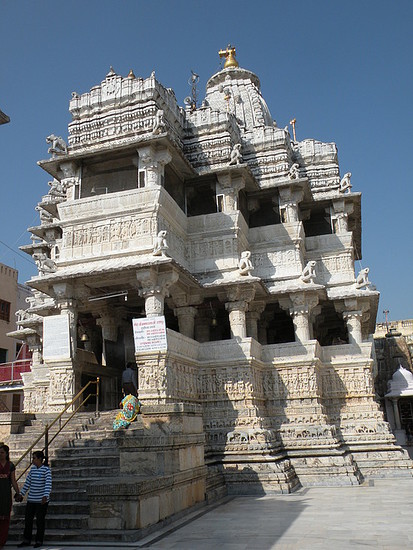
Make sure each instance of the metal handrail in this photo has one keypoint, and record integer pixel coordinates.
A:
(45, 433)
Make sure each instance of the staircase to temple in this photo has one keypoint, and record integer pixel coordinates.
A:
(86, 451)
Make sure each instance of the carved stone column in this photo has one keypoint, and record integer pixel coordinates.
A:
(35, 346)
(230, 185)
(353, 320)
(70, 180)
(300, 317)
(186, 320)
(68, 306)
(255, 310)
(289, 197)
(109, 326)
(237, 318)
(153, 161)
(237, 306)
(339, 215)
(154, 288)
(302, 303)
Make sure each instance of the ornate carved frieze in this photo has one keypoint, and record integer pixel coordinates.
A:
(87, 239)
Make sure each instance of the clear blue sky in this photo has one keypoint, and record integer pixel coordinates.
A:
(343, 69)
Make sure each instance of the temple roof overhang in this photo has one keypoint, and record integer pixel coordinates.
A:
(120, 147)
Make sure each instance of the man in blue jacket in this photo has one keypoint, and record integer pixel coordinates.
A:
(39, 485)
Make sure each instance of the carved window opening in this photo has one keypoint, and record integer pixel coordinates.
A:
(278, 324)
(329, 327)
(109, 176)
(263, 210)
(317, 223)
(200, 197)
(4, 311)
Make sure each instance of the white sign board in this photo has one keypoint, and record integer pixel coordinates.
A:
(149, 333)
(56, 337)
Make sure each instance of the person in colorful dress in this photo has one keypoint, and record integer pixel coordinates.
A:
(7, 481)
(39, 485)
(130, 406)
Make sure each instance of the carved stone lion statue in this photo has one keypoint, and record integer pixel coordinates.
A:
(308, 275)
(58, 145)
(160, 244)
(362, 279)
(245, 265)
(236, 154)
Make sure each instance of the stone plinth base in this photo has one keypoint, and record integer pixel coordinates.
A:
(254, 475)
(162, 470)
(333, 470)
(380, 463)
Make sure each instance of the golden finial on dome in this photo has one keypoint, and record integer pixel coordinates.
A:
(131, 74)
(229, 55)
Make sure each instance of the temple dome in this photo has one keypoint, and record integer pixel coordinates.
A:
(237, 91)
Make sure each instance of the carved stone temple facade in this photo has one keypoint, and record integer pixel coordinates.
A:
(245, 240)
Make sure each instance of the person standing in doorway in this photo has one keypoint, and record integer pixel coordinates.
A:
(7, 481)
(39, 485)
(130, 380)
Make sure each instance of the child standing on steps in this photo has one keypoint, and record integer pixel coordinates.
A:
(39, 485)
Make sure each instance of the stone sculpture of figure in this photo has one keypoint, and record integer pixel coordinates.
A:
(159, 124)
(245, 266)
(236, 154)
(345, 184)
(56, 189)
(294, 171)
(58, 146)
(362, 280)
(21, 315)
(160, 244)
(308, 275)
(44, 264)
(45, 217)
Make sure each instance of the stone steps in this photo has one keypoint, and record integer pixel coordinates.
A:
(81, 454)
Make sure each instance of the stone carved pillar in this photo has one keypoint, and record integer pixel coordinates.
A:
(67, 306)
(109, 327)
(339, 215)
(155, 288)
(186, 320)
(70, 180)
(253, 315)
(289, 198)
(35, 346)
(237, 306)
(237, 318)
(302, 304)
(153, 161)
(353, 320)
(340, 223)
(300, 316)
(230, 185)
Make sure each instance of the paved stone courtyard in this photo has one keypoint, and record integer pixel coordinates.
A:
(375, 515)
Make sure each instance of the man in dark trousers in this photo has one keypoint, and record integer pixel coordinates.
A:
(130, 380)
(39, 485)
